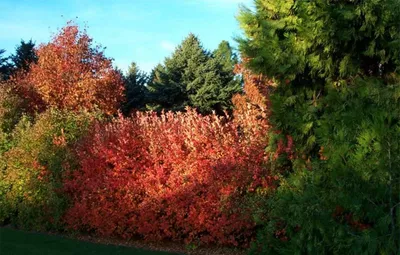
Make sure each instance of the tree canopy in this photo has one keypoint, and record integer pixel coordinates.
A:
(135, 89)
(24, 55)
(5, 67)
(335, 67)
(72, 74)
(193, 76)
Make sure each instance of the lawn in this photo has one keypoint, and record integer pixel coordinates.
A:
(14, 242)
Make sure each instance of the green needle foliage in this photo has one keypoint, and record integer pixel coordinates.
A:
(135, 89)
(194, 77)
(5, 67)
(24, 55)
(336, 65)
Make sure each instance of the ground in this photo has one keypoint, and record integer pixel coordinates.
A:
(15, 242)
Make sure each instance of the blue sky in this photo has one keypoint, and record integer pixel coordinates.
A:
(144, 31)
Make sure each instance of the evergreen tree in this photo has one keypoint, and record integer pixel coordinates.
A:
(173, 81)
(135, 89)
(165, 93)
(24, 55)
(194, 77)
(226, 57)
(224, 61)
(336, 69)
(5, 67)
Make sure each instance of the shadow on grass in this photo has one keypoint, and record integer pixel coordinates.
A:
(14, 242)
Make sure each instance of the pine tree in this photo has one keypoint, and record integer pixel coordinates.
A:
(135, 89)
(165, 93)
(194, 77)
(176, 79)
(336, 69)
(230, 83)
(24, 55)
(5, 66)
(219, 82)
(226, 57)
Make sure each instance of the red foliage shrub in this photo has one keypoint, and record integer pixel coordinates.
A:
(180, 176)
(254, 105)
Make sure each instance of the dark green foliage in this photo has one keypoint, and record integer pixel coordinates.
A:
(135, 89)
(165, 93)
(336, 65)
(172, 82)
(348, 203)
(194, 77)
(24, 55)
(225, 56)
(5, 67)
(220, 82)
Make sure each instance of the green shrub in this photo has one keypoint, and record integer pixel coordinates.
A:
(32, 170)
(11, 111)
(11, 108)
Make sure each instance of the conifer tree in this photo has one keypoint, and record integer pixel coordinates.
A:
(173, 81)
(192, 76)
(4, 66)
(220, 83)
(135, 89)
(24, 55)
(336, 68)
(226, 57)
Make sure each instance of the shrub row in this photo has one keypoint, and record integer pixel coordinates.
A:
(178, 176)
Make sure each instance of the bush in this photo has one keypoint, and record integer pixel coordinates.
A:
(179, 176)
(11, 112)
(32, 170)
(11, 108)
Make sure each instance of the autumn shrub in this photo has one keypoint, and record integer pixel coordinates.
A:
(32, 169)
(71, 74)
(179, 176)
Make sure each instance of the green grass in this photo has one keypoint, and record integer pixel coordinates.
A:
(14, 242)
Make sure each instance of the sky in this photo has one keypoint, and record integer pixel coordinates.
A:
(144, 31)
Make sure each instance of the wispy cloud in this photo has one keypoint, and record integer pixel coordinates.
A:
(166, 45)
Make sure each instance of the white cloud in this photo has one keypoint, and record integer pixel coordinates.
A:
(166, 45)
